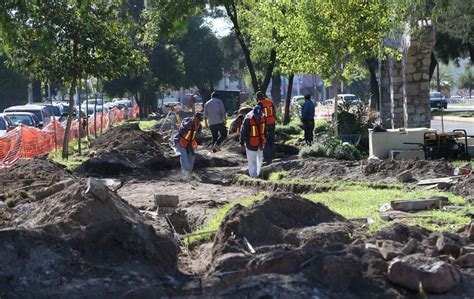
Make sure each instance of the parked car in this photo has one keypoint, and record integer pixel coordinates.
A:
(6, 124)
(40, 112)
(55, 109)
(455, 99)
(437, 100)
(23, 118)
(296, 99)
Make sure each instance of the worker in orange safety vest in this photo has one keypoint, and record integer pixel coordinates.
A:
(252, 136)
(269, 112)
(185, 141)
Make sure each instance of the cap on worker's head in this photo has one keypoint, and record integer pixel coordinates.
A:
(257, 110)
(199, 115)
(307, 96)
(214, 95)
(260, 95)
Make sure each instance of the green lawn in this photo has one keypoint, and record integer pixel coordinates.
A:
(74, 159)
(466, 114)
(363, 200)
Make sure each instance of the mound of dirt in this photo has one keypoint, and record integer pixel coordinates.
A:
(286, 238)
(465, 187)
(83, 240)
(74, 208)
(271, 221)
(421, 169)
(384, 170)
(32, 171)
(126, 148)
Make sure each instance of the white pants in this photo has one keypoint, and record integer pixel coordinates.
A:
(255, 160)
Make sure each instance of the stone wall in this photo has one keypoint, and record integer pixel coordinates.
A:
(384, 92)
(417, 57)
(404, 83)
(396, 93)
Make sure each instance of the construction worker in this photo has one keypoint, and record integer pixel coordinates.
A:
(185, 141)
(252, 136)
(307, 118)
(268, 110)
(235, 125)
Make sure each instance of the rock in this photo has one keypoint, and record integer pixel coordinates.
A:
(405, 176)
(466, 249)
(416, 205)
(410, 247)
(97, 189)
(466, 260)
(39, 195)
(449, 243)
(2, 205)
(389, 249)
(112, 184)
(470, 231)
(165, 200)
(417, 271)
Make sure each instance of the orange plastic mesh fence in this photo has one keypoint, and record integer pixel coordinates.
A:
(28, 142)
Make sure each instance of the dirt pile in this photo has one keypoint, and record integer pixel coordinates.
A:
(285, 239)
(127, 148)
(465, 187)
(19, 182)
(83, 240)
(421, 169)
(384, 170)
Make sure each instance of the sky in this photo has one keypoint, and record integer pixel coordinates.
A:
(220, 26)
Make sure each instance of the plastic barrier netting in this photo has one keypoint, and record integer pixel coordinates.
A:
(28, 142)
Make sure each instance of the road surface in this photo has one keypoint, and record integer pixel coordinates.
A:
(451, 125)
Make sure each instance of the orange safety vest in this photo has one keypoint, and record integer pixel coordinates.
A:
(189, 136)
(257, 132)
(268, 110)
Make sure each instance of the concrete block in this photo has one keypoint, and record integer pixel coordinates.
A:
(415, 205)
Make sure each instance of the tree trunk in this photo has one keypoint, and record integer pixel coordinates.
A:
(471, 53)
(276, 90)
(286, 119)
(65, 154)
(37, 96)
(374, 83)
(79, 119)
(268, 72)
(336, 92)
(232, 13)
(433, 65)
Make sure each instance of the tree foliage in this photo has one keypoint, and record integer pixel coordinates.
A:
(466, 80)
(65, 40)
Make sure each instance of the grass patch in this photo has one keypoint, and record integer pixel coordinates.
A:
(466, 114)
(277, 176)
(214, 222)
(74, 159)
(460, 163)
(362, 202)
(144, 124)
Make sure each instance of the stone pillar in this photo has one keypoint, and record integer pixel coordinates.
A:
(384, 93)
(417, 59)
(396, 93)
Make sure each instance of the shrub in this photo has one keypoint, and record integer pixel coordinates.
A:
(293, 128)
(322, 126)
(331, 147)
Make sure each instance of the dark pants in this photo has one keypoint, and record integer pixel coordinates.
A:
(269, 150)
(216, 130)
(308, 131)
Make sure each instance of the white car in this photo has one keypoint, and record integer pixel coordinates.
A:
(5, 124)
(295, 99)
(455, 99)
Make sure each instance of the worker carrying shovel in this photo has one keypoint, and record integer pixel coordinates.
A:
(185, 141)
(252, 135)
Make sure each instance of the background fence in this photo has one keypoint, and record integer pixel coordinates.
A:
(29, 142)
